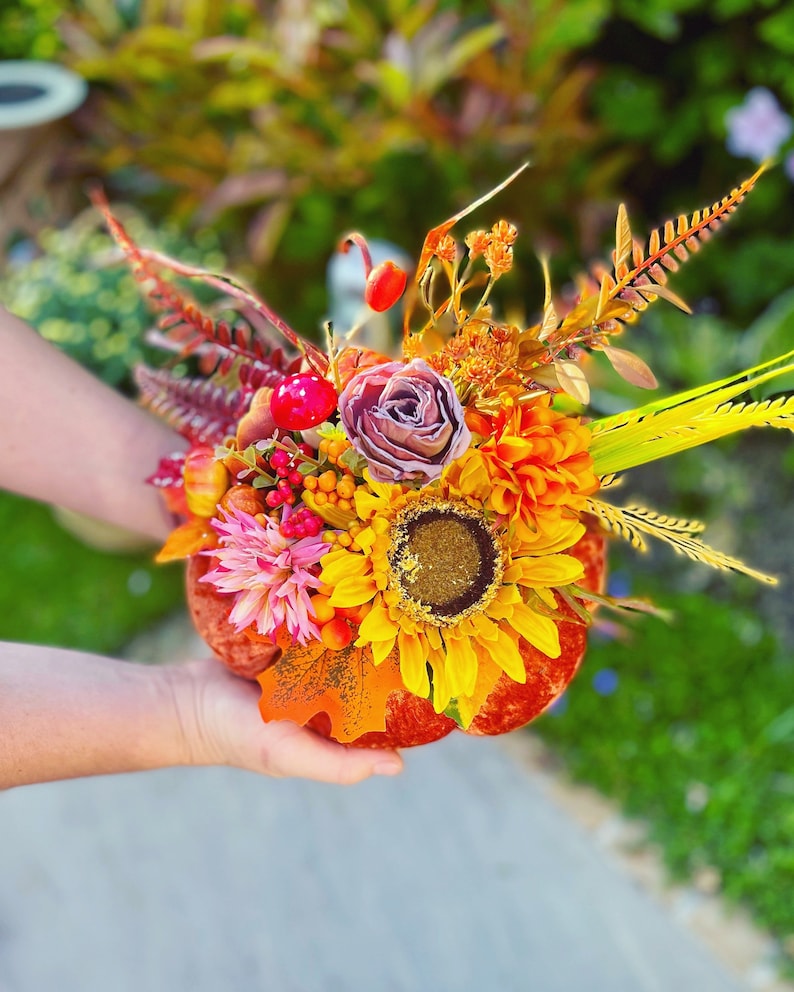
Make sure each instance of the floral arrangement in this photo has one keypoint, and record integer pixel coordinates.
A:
(396, 547)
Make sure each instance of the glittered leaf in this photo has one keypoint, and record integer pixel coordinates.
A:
(630, 367)
(573, 381)
(347, 685)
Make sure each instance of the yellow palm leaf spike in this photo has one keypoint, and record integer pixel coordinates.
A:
(688, 419)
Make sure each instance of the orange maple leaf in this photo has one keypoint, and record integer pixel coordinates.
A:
(310, 679)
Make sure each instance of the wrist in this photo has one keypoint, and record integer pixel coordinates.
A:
(186, 685)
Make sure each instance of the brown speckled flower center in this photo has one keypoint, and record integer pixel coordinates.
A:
(444, 561)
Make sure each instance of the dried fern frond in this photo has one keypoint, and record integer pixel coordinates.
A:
(633, 522)
(201, 410)
(640, 275)
(614, 295)
(688, 419)
(239, 340)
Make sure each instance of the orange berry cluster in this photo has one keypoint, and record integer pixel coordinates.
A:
(333, 449)
(328, 487)
(345, 538)
(336, 623)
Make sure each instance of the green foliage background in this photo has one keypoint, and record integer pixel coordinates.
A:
(282, 134)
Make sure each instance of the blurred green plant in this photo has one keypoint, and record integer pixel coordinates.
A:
(698, 741)
(79, 294)
(28, 29)
(669, 73)
(55, 590)
(299, 121)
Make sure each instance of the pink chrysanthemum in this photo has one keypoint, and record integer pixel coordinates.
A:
(270, 575)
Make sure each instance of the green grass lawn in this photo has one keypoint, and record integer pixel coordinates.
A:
(55, 590)
(690, 725)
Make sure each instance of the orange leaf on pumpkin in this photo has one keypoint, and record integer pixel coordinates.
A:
(188, 539)
(347, 685)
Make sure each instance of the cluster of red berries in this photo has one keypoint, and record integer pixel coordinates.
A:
(302, 523)
(285, 468)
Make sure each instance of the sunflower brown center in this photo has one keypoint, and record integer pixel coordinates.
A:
(444, 561)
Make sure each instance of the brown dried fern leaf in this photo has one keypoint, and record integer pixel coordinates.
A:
(640, 275)
(233, 341)
(202, 411)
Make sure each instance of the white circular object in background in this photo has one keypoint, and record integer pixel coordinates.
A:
(33, 93)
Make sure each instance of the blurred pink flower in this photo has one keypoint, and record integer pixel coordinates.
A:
(758, 127)
(270, 575)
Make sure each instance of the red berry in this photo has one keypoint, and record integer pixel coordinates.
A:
(302, 400)
(295, 478)
(279, 459)
(274, 499)
(385, 285)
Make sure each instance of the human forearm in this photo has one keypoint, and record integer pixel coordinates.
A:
(65, 714)
(67, 438)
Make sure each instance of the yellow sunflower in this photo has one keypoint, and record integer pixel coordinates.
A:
(451, 586)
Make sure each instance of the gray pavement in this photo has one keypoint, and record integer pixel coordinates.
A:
(460, 875)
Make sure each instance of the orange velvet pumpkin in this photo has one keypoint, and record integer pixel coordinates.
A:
(411, 720)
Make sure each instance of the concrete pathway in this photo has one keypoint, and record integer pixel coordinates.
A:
(460, 875)
(478, 870)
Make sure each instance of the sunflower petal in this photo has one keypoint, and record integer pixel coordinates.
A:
(549, 570)
(540, 631)
(413, 668)
(340, 565)
(377, 625)
(353, 591)
(461, 667)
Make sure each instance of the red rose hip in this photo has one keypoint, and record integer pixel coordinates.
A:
(385, 285)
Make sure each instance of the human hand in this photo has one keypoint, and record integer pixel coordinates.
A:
(220, 725)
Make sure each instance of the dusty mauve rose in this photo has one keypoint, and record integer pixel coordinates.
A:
(406, 420)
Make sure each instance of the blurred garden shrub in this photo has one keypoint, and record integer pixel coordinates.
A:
(285, 124)
(28, 29)
(77, 291)
(678, 91)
